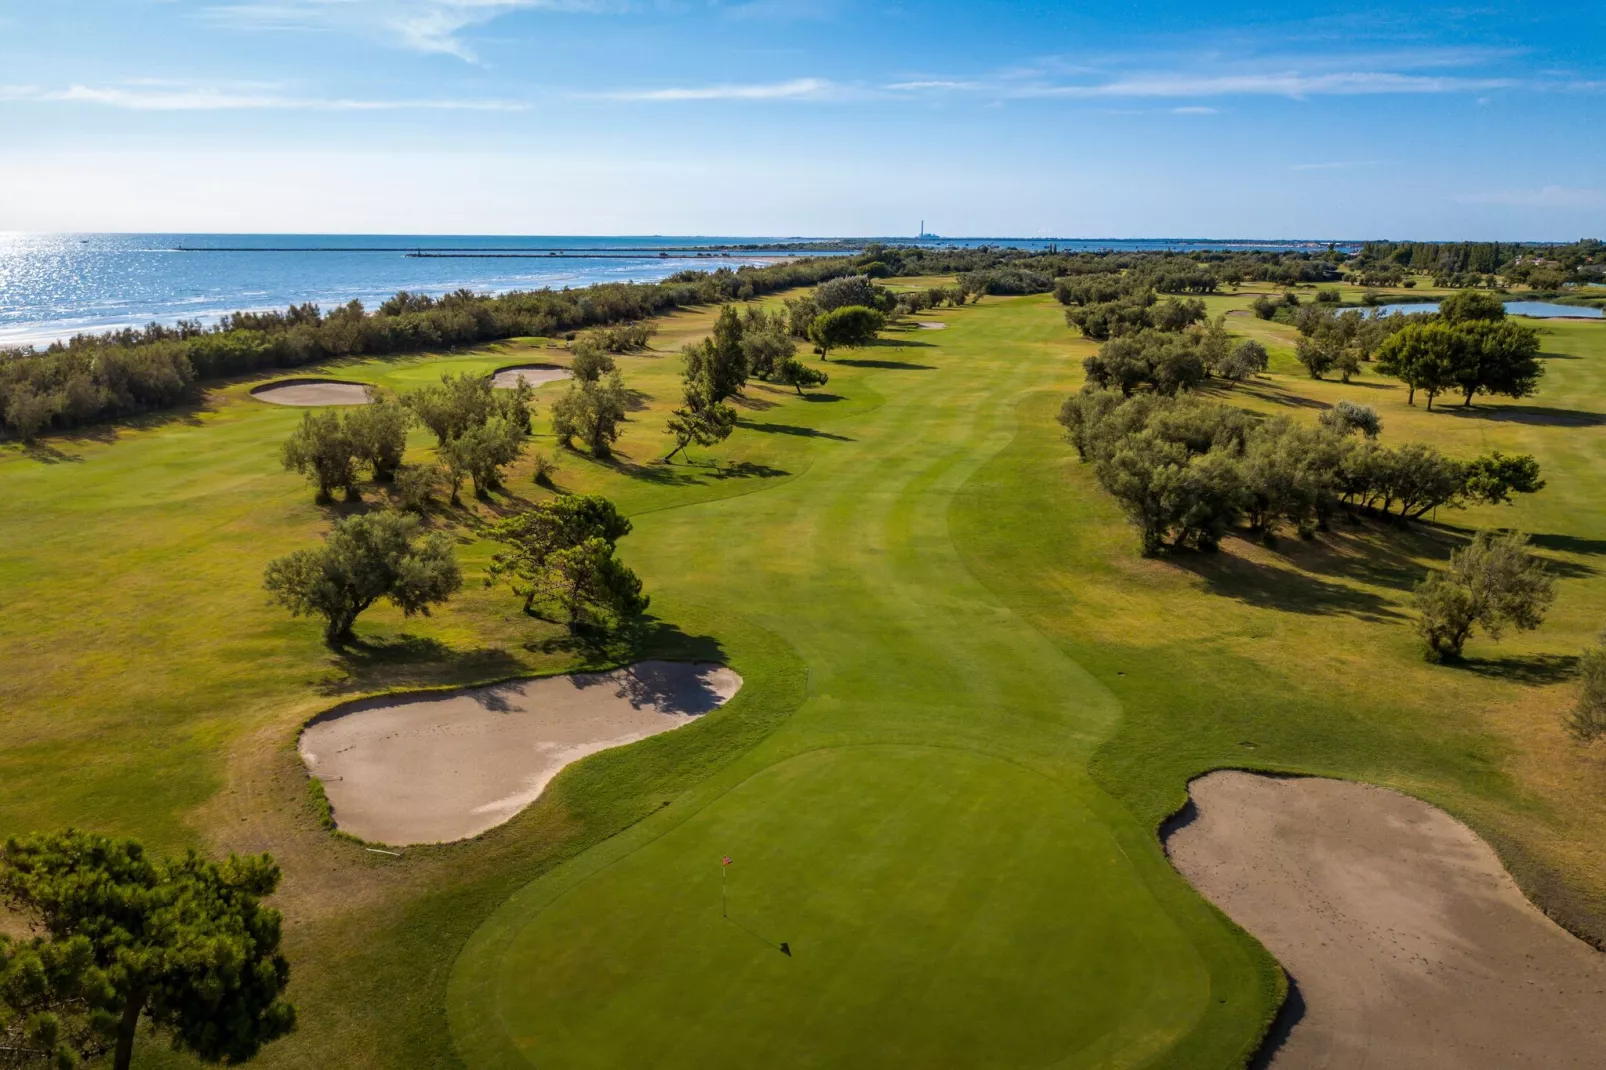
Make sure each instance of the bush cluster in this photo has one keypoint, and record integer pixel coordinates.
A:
(1187, 470)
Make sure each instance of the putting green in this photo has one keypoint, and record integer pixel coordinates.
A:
(953, 887)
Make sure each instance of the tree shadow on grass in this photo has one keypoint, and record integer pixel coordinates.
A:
(368, 664)
(1284, 589)
(1569, 544)
(1535, 415)
(753, 402)
(892, 365)
(1274, 394)
(1539, 669)
(45, 453)
(821, 395)
(791, 429)
(644, 637)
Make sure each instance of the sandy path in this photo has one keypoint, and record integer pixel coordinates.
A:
(1407, 941)
(435, 769)
(313, 392)
(534, 374)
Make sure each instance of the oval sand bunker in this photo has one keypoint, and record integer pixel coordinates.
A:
(312, 392)
(445, 767)
(534, 374)
(1409, 944)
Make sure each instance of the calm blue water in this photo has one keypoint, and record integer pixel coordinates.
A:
(55, 285)
(1543, 310)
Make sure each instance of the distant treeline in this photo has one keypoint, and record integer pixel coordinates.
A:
(1458, 263)
(93, 378)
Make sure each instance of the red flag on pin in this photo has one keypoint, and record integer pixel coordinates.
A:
(726, 861)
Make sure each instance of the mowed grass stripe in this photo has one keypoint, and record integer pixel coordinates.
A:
(922, 831)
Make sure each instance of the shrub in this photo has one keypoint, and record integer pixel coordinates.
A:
(1492, 582)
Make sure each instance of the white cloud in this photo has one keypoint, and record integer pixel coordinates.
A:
(1331, 165)
(421, 25)
(146, 96)
(1284, 84)
(797, 89)
(1194, 109)
(935, 84)
(1290, 84)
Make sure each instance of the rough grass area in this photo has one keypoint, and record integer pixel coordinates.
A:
(968, 705)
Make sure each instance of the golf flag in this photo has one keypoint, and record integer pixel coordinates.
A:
(726, 861)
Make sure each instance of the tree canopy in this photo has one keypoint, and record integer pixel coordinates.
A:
(591, 412)
(182, 943)
(363, 559)
(846, 327)
(562, 550)
(1492, 582)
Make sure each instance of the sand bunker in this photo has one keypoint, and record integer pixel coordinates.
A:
(445, 767)
(931, 325)
(534, 374)
(312, 392)
(1407, 943)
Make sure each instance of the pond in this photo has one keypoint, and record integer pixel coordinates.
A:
(1535, 309)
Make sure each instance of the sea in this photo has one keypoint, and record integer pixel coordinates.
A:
(54, 286)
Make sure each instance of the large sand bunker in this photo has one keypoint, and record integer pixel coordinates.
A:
(1407, 943)
(534, 374)
(439, 768)
(312, 392)
(931, 325)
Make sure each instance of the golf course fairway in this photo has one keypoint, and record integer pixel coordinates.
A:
(922, 833)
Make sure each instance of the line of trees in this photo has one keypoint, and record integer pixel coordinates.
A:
(93, 378)
(96, 378)
(1179, 356)
(1186, 470)
(1469, 346)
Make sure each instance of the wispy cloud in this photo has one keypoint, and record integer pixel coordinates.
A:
(1543, 197)
(159, 96)
(1285, 84)
(1195, 109)
(421, 25)
(796, 89)
(1332, 165)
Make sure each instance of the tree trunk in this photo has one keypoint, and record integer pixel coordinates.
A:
(126, 1029)
(1410, 398)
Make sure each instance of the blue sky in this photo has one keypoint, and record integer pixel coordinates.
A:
(1142, 119)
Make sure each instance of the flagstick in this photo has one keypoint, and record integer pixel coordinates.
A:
(722, 911)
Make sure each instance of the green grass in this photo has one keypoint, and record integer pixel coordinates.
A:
(968, 703)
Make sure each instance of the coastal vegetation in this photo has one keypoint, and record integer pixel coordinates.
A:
(949, 635)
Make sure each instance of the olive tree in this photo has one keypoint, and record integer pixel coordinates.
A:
(591, 361)
(1588, 720)
(1348, 416)
(592, 413)
(183, 944)
(847, 327)
(1491, 583)
(481, 452)
(377, 433)
(363, 559)
(321, 449)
